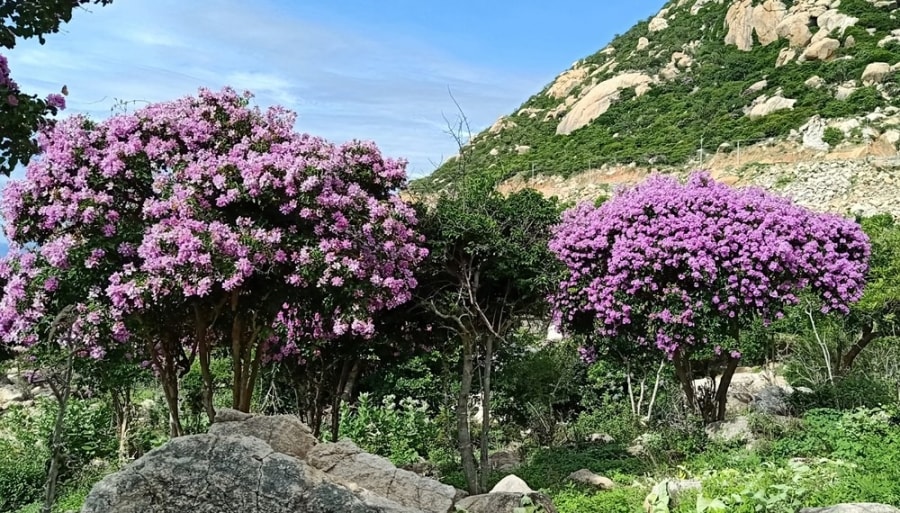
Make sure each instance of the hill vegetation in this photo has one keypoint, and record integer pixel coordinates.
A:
(669, 91)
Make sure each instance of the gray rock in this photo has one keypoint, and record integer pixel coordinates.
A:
(861, 507)
(512, 484)
(771, 400)
(218, 474)
(504, 502)
(729, 430)
(585, 476)
(347, 463)
(284, 433)
(678, 488)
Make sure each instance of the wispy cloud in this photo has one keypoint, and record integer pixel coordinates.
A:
(344, 83)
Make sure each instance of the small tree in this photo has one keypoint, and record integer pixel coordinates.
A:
(488, 270)
(683, 268)
(203, 223)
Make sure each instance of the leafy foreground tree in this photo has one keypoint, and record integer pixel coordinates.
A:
(683, 268)
(202, 223)
(489, 270)
(21, 114)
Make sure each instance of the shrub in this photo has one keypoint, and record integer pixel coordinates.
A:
(402, 433)
(833, 136)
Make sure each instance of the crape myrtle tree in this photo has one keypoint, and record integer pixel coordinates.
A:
(683, 268)
(202, 223)
(22, 114)
(488, 271)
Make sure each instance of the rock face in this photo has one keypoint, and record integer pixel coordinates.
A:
(875, 73)
(821, 50)
(862, 507)
(504, 502)
(764, 106)
(512, 484)
(284, 433)
(209, 473)
(744, 19)
(259, 464)
(598, 100)
(566, 82)
(585, 476)
(348, 463)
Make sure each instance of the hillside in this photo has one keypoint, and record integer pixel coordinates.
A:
(718, 82)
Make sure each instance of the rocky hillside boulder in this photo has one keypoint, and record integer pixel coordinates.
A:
(221, 474)
(251, 463)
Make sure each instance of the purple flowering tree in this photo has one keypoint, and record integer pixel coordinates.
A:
(682, 268)
(203, 223)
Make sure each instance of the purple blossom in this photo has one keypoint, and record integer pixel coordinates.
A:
(655, 257)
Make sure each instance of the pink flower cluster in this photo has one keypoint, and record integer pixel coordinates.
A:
(665, 262)
(201, 198)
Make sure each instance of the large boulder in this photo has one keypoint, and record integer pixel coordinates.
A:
(505, 502)
(284, 433)
(347, 463)
(875, 73)
(221, 474)
(861, 507)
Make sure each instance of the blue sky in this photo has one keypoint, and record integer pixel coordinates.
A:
(350, 68)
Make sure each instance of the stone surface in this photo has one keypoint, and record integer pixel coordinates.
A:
(643, 43)
(862, 507)
(729, 430)
(821, 50)
(512, 484)
(585, 476)
(566, 82)
(284, 433)
(744, 19)
(504, 502)
(598, 100)
(763, 106)
(217, 474)
(347, 463)
(875, 73)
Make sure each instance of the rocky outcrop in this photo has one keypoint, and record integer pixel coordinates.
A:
(745, 19)
(504, 502)
(507, 496)
(347, 463)
(821, 50)
(260, 464)
(222, 474)
(598, 100)
(566, 82)
(284, 433)
(586, 477)
(763, 106)
(875, 73)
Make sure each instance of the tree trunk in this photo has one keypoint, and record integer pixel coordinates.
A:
(338, 398)
(486, 413)
(61, 393)
(122, 408)
(204, 355)
(464, 436)
(686, 378)
(168, 377)
(722, 389)
(867, 336)
(344, 396)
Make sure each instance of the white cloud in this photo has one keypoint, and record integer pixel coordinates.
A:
(343, 83)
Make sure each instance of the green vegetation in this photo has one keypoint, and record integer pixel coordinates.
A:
(703, 105)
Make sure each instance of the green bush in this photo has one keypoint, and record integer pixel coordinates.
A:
(402, 433)
(618, 500)
(833, 136)
(22, 474)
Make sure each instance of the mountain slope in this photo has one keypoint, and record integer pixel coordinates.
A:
(711, 74)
